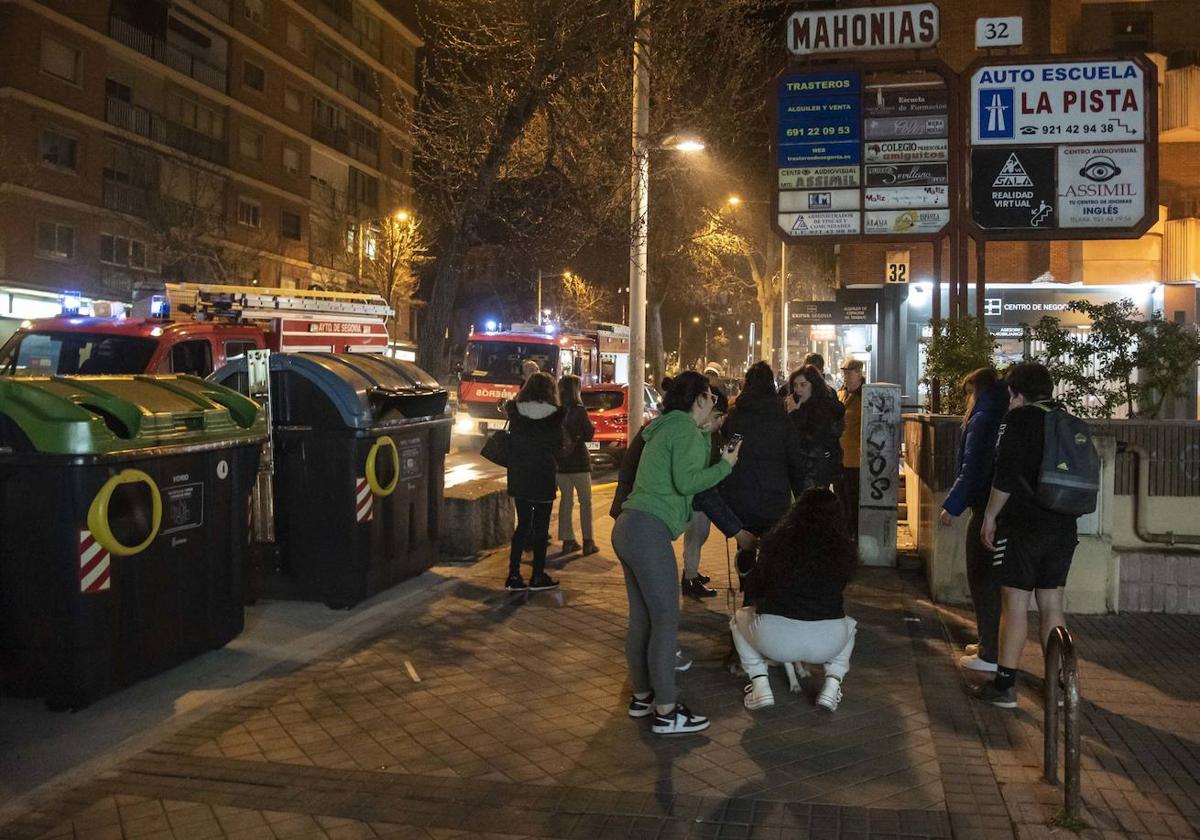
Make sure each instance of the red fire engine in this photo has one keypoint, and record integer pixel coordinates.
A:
(194, 328)
(491, 369)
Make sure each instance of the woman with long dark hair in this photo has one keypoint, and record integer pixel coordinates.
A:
(770, 471)
(804, 565)
(987, 401)
(575, 468)
(816, 414)
(535, 430)
(673, 468)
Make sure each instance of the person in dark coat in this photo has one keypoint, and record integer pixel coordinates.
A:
(575, 468)
(807, 560)
(987, 401)
(536, 437)
(817, 414)
(770, 468)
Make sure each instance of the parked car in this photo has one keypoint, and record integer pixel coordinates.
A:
(608, 408)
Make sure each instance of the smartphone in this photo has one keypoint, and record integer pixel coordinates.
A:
(733, 443)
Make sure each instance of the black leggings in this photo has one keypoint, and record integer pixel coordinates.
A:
(533, 531)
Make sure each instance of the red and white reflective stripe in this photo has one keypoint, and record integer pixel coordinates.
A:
(364, 501)
(94, 565)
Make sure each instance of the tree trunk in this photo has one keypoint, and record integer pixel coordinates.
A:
(431, 349)
(654, 344)
(766, 306)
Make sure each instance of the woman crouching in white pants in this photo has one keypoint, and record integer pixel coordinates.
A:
(803, 567)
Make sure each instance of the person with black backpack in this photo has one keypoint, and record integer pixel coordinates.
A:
(1046, 476)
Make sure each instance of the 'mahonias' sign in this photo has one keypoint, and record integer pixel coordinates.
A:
(869, 28)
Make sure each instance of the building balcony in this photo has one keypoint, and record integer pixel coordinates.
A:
(217, 8)
(339, 15)
(346, 86)
(125, 198)
(156, 127)
(1180, 120)
(341, 140)
(124, 32)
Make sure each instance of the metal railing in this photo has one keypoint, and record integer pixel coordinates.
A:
(126, 33)
(158, 128)
(124, 198)
(1062, 668)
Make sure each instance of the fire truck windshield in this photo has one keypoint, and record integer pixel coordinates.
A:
(66, 354)
(500, 361)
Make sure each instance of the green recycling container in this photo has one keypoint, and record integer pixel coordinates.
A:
(124, 504)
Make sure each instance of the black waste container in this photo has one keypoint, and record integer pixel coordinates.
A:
(360, 443)
(123, 505)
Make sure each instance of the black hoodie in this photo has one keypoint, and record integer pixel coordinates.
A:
(771, 464)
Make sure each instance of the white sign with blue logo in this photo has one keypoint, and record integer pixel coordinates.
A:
(807, 201)
(1069, 102)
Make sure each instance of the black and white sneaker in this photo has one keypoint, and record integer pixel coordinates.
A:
(679, 721)
(515, 583)
(682, 663)
(641, 707)
(542, 582)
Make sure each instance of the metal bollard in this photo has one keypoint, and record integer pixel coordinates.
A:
(1061, 662)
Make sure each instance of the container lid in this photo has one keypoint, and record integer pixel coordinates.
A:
(352, 383)
(99, 415)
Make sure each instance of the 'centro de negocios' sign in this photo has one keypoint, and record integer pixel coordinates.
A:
(858, 30)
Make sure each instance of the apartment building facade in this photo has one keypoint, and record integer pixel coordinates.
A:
(241, 141)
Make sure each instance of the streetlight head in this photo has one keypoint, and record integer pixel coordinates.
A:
(734, 200)
(683, 143)
(695, 319)
(401, 216)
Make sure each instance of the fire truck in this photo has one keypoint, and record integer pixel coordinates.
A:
(491, 368)
(195, 328)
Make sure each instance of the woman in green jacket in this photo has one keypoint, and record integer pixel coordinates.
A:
(674, 467)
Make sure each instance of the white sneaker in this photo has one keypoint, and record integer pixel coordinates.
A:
(679, 721)
(972, 662)
(758, 694)
(972, 650)
(831, 694)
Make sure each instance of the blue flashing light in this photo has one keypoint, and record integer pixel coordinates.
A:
(549, 328)
(490, 325)
(71, 303)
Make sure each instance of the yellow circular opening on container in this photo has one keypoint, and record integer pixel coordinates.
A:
(372, 457)
(98, 513)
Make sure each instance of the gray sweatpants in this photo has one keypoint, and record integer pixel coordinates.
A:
(694, 539)
(643, 545)
(570, 484)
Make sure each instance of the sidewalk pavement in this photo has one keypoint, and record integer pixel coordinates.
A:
(471, 712)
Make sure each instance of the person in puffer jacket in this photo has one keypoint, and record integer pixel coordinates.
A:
(536, 437)
(987, 401)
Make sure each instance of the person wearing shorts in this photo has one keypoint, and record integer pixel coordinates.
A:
(1031, 547)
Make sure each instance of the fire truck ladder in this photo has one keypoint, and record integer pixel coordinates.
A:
(212, 300)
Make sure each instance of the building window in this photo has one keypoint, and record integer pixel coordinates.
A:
(397, 157)
(55, 241)
(250, 144)
(293, 99)
(253, 76)
(295, 36)
(291, 160)
(255, 11)
(119, 250)
(1133, 30)
(195, 116)
(57, 149)
(60, 60)
(249, 212)
(289, 225)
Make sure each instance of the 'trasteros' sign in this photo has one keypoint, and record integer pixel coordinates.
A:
(908, 27)
(1070, 102)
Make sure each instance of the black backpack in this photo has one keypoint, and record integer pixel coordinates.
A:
(1069, 477)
